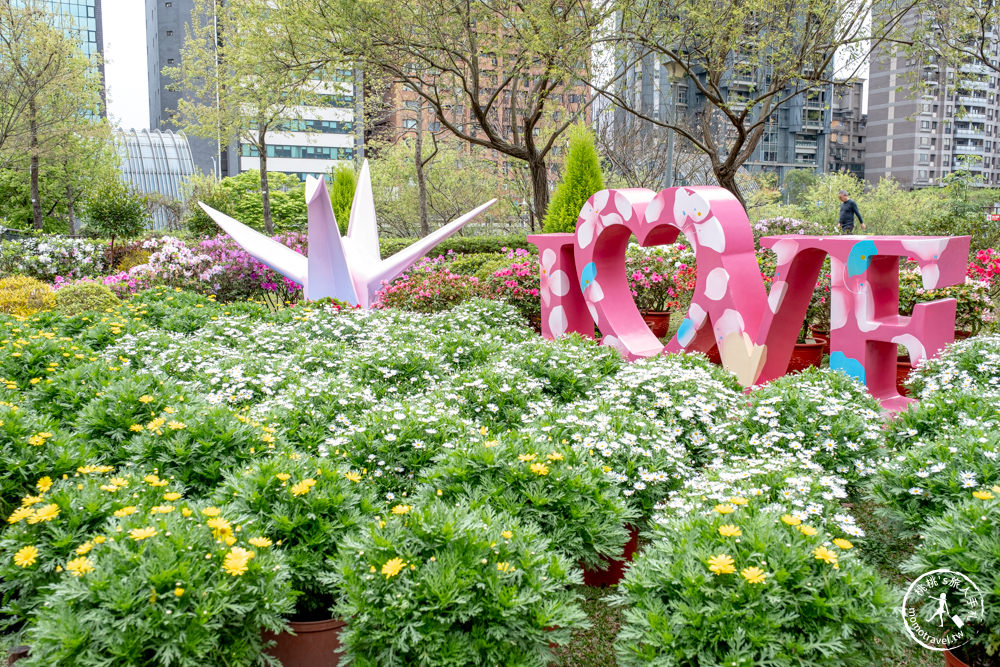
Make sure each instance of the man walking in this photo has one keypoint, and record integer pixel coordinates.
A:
(848, 209)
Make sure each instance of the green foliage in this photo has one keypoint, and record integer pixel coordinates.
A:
(21, 295)
(463, 245)
(925, 477)
(189, 594)
(966, 539)
(560, 490)
(60, 519)
(471, 264)
(82, 297)
(581, 180)
(797, 182)
(826, 415)
(240, 197)
(117, 210)
(345, 181)
(304, 503)
(443, 585)
(814, 602)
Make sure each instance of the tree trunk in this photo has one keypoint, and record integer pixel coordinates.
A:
(265, 191)
(69, 210)
(539, 190)
(36, 201)
(727, 179)
(418, 160)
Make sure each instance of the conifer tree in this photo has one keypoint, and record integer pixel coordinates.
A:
(582, 179)
(342, 194)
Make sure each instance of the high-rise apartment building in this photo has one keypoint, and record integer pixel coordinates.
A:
(848, 129)
(795, 136)
(918, 135)
(328, 134)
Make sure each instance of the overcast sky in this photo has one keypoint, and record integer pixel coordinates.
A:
(125, 62)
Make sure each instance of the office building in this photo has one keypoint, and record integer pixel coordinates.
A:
(81, 19)
(156, 162)
(327, 135)
(848, 129)
(919, 135)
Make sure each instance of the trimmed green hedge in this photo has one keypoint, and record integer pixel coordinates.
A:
(463, 245)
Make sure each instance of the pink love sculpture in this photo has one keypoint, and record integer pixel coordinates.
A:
(755, 330)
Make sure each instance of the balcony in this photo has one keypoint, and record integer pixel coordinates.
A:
(967, 101)
(970, 133)
(806, 160)
(974, 68)
(968, 150)
(805, 146)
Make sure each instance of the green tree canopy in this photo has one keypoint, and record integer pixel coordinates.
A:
(117, 210)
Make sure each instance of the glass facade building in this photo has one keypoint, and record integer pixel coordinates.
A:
(80, 19)
(156, 162)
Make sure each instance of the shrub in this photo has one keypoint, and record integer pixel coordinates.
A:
(21, 295)
(966, 539)
(972, 364)
(133, 258)
(924, 478)
(562, 491)
(462, 245)
(447, 586)
(32, 447)
(49, 257)
(117, 210)
(180, 588)
(750, 587)
(518, 283)
(816, 415)
(60, 519)
(470, 265)
(344, 182)
(427, 292)
(581, 180)
(82, 297)
(304, 503)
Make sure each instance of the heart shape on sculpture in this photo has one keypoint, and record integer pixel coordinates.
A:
(729, 291)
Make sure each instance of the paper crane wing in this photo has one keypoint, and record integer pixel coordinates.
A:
(392, 266)
(329, 274)
(282, 259)
(362, 230)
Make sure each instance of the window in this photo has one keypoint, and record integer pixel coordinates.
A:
(925, 125)
(170, 61)
(921, 173)
(410, 123)
(168, 4)
(434, 127)
(170, 33)
(925, 141)
(924, 157)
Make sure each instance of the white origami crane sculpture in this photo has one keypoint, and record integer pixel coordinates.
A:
(348, 268)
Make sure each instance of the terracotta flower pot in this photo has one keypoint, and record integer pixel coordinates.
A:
(962, 335)
(824, 334)
(314, 644)
(615, 570)
(952, 660)
(658, 321)
(16, 654)
(807, 354)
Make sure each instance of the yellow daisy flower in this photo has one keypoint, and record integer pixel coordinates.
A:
(79, 566)
(260, 542)
(26, 556)
(843, 544)
(729, 530)
(539, 468)
(44, 513)
(303, 487)
(753, 575)
(142, 533)
(724, 508)
(824, 554)
(983, 495)
(393, 567)
(721, 564)
(791, 520)
(401, 509)
(236, 560)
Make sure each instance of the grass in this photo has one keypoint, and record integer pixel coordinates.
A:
(593, 647)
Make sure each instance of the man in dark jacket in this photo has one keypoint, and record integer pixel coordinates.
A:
(848, 209)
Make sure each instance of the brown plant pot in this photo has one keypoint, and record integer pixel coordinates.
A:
(314, 644)
(16, 654)
(807, 354)
(658, 321)
(825, 335)
(962, 335)
(615, 570)
(952, 660)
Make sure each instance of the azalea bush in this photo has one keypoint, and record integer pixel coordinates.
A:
(974, 303)
(180, 588)
(518, 283)
(426, 291)
(661, 278)
(744, 586)
(45, 258)
(305, 504)
(444, 585)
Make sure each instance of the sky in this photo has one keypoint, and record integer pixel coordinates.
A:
(125, 62)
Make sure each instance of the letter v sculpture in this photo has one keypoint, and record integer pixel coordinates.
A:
(349, 268)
